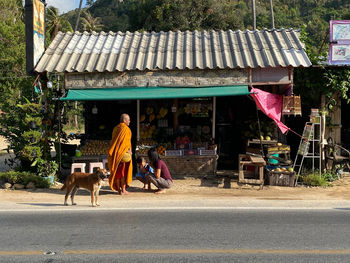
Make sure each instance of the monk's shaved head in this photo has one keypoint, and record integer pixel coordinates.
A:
(125, 118)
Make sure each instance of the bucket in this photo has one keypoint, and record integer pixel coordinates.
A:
(274, 161)
(50, 179)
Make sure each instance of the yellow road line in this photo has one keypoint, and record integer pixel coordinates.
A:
(187, 251)
(20, 253)
(211, 251)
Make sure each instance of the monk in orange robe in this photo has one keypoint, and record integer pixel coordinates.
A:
(120, 171)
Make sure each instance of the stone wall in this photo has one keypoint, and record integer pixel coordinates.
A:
(178, 78)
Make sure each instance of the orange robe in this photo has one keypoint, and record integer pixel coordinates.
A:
(120, 144)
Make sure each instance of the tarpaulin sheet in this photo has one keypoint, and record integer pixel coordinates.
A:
(144, 93)
(271, 105)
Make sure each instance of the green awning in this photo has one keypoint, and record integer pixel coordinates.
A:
(145, 93)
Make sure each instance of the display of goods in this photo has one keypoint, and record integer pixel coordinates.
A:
(142, 117)
(147, 142)
(151, 118)
(143, 146)
(162, 113)
(142, 151)
(201, 145)
(147, 131)
(174, 153)
(95, 147)
(207, 152)
(161, 150)
(277, 148)
(190, 152)
(183, 146)
(280, 169)
(183, 140)
(149, 110)
(192, 108)
(162, 123)
(213, 147)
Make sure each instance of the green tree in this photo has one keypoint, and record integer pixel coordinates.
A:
(16, 124)
(90, 2)
(14, 82)
(90, 23)
(56, 23)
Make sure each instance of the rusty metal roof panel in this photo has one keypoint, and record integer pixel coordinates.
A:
(99, 52)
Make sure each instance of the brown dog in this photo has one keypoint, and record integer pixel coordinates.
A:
(91, 182)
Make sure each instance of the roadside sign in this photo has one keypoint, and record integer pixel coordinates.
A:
(35, 32)
(339, 48)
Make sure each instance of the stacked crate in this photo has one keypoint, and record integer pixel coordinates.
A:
(279, 170)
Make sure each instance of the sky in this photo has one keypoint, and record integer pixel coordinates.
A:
(64, 5)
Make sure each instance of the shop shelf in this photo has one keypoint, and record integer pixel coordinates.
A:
(190, 152)
(174, 152)
(206, 152)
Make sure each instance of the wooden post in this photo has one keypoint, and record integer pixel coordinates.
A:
(59, 130)
(214, 118)
(323, 131)
(176, 119)
(138, 120)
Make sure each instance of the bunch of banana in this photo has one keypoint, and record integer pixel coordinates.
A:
(163, 112)
(142, 117)
(149, 110)
(151, 117)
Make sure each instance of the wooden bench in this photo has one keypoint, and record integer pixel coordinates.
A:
(258, 163)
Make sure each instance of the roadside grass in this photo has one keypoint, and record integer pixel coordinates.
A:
(325, 179)
(22, 177)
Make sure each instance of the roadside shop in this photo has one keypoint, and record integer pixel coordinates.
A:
(187, 93)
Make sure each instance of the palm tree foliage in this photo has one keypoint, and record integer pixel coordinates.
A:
(55, 22)
(90, 23)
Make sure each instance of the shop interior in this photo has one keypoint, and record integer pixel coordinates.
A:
(178, 126)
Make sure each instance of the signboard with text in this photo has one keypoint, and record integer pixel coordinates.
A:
(339, 48)
(35, 32)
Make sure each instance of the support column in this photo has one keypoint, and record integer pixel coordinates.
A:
(176, 119)
(214, 118)
(138, 120)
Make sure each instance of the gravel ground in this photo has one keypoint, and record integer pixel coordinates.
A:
(214, 187)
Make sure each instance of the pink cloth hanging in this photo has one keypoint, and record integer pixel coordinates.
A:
(271, 105)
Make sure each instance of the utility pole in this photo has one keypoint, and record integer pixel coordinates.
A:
(254, 14)
(75, 29)
(272, 16)
(78, 17)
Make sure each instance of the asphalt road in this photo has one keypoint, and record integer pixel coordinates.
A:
(230, 235)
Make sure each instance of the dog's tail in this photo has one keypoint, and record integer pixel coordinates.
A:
(64, 186)
(68, 181)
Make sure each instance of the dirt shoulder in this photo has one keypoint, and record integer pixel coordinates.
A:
(189, 189)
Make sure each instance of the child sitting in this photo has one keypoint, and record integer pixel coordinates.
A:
(143, 169)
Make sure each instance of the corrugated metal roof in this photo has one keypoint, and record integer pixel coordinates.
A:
(90, 52)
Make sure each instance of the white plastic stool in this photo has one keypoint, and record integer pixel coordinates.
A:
(80, 166)
(95, 165)
(105, 163)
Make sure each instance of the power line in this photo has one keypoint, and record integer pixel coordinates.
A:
(19, 77)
